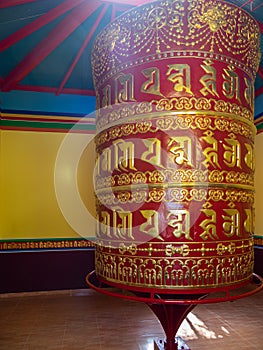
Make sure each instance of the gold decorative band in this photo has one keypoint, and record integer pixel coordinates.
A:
(178, 176)
(180, 249)
(170, 273)
(173, 122)
(213, 27)
(179, 107)
(174, 194)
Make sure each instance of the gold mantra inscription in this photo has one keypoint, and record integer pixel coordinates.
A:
(118, 224)
(180, 151)
(180, 77)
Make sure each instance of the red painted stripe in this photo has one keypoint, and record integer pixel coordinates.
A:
(246, 3)
(9, 3)
(260, 26)
(131, 2)
(54, 90)
(257, 7)
(66, 131)
(113, 12)
(259, 91)
(260, 72)
(46, 120)
(51, 41)
(259, 131)
(38, 23)
(86, 41)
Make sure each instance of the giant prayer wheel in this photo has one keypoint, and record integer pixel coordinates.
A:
(174, 176)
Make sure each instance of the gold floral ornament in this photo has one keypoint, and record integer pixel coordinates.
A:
(215, 18)
(173, 26)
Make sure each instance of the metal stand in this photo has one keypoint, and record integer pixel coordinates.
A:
(170, 311)
(159, 344)
(171, 316)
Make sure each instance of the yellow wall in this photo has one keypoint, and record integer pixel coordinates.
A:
(30, 169)
(47, 188)
(259, 185)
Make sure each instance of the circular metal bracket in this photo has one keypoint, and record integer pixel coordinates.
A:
(157, 297)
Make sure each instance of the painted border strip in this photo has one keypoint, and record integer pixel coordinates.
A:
(45, 244)
(258, 240)
(48, 123)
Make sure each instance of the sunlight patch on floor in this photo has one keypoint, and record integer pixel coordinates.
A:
(194, 328)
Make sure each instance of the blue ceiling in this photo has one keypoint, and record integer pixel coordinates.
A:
(45, 45)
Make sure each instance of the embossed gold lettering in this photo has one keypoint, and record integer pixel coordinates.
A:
(153, 154)
(106, 97)
(248, 224)
(231, 224)
(150, 226)
(106, 160)
(209, 225)
(152, 85)
(179, 220)
(249, 157)
(210, 153)
(249, 92)
(231, 86)
(105, 223)
(181, 148)
(122, 223)
(209, 80)
(180, 75)
(123, 155)
(232, 154)
(125, 93)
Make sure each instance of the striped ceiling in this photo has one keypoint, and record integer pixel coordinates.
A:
(45, 45)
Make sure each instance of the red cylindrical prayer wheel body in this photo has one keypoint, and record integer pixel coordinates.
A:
(175, 147)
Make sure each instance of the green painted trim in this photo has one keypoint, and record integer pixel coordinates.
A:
(46, 125)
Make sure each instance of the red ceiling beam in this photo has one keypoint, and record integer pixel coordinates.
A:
(257, 7)
(260, 72)
(9, 3)
(54, 89)
(260, 27)
(259, 91)
(38, 23)
(51, 41)
(85, 43)
(246, 3)
(113, 12)
(130, 2)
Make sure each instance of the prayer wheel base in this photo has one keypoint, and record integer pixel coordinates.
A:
(169, 311)
(171, 317)
(159, 344)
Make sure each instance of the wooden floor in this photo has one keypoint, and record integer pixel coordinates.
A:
(85, 319)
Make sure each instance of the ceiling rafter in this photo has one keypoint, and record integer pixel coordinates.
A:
(113, 13)
(259, 91)
(257, 7)
(260, 26)
(38, 23)
(66, 7)
(9, 3)
(260, 72)
(246, 3)
(130, 2)
(51, 41)
(85, 43)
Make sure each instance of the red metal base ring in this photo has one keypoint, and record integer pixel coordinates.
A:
(182, 299)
